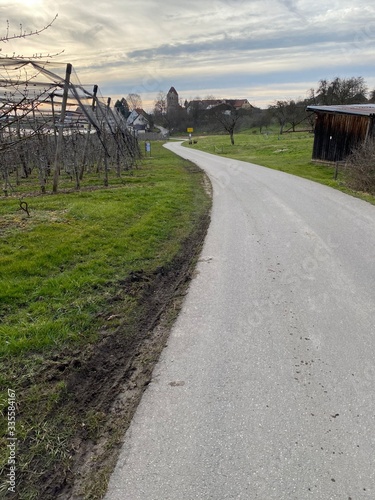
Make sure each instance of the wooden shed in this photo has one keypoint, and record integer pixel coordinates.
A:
(339, 129)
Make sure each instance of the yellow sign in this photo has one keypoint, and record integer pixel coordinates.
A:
(190, 130)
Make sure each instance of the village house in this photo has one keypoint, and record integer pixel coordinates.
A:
(203, 104)
(207, 104)
(138, 121)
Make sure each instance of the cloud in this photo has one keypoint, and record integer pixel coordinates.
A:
(225, 45)
(217, 44)
(292, 8)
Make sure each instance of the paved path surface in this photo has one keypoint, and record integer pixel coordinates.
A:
(267, 387)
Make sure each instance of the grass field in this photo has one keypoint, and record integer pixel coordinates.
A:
(59, 265)
(62, 275)
(289, 152)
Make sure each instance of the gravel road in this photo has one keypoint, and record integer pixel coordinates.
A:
(266, 389)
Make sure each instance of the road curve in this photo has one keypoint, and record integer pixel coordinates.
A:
(266, 389)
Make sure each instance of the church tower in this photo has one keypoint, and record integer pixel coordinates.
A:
(172, 101)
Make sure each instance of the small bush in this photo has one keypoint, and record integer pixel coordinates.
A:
(360, 168)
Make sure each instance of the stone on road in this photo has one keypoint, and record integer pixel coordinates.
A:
(266, 389)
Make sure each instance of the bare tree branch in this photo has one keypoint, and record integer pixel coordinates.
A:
(24, 34)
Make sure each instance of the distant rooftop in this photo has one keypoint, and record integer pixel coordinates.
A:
(346, 109)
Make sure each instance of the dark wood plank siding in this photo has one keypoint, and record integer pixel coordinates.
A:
(337, 134)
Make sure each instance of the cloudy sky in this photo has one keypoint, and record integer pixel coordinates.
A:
(262, 50)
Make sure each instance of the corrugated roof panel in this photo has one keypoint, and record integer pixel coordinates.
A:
(346, 109)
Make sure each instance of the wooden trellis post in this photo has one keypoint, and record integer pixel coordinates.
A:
(53, 117)
(61, 128)
(84, 156)
(106, 155)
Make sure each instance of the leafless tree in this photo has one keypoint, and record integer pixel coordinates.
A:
(227, 117)
(134, 101)
(279, 111)
(372, 96)
(160, 105)
(342, 91)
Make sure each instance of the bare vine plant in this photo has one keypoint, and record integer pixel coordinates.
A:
(51, 124)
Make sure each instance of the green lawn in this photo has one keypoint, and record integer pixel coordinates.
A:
(289, 152)
(60, 270)
(59, 265)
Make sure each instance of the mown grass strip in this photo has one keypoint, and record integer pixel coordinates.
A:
(289, 152)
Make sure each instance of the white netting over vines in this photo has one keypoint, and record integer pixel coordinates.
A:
(51, 124)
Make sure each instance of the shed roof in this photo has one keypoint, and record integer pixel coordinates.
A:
(346, 109)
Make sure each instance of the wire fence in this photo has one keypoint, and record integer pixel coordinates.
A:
(51, 124)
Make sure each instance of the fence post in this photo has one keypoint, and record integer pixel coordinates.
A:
(61, 128)
(336, 171)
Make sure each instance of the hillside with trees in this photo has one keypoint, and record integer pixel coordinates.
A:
(288, 115)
